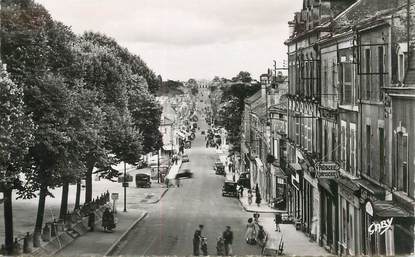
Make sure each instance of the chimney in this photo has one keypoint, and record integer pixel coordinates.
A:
(263, 90)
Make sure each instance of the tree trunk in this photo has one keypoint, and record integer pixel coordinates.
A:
(64, 201)
(40, 210)
(8, 221)
(88, 184)
(78, 195)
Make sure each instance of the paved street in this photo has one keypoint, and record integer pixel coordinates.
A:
(168, 229)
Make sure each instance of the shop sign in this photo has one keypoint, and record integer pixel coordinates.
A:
(114, 196)
(328, 170)
(380, 227)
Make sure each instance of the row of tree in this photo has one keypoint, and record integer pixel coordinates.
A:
(227, 103)
(69, 105)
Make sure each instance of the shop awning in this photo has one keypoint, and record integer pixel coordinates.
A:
(377, 191)
(348, 183)
(258, 163)
(389, 209)
(277, 172)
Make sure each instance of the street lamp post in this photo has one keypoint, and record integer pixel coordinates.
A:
(125, 187)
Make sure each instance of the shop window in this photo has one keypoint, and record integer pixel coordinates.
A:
(402, 61)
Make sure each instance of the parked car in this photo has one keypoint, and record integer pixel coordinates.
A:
(186, 173)
(187, 145)
(219, 168)
(230, 189)
(142, 180)
(244, 180)
(185, 158)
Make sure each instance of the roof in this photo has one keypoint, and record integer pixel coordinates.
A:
(253, 98)
(260, 109)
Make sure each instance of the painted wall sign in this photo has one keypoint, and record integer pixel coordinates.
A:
(380, 227)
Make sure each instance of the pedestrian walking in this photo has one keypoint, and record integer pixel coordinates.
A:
(241, 191)
(220, 246)
(228, 238)
(256, 217)
(250, 196)
(177, 181)
(203, 246)
(233, 177)
(258, 198)
(277, 220)
(261, 235)
(250, 232)
(196, 240)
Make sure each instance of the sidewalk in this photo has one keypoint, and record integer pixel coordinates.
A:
(295, 242)
(99, 242)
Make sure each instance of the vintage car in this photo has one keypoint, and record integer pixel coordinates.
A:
(142, 180)
(219, 168)
(186, 173)
(244, 180)
(230, 188)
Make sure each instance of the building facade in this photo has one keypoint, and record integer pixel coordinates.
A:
(350, 156)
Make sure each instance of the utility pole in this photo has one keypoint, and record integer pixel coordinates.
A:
(158, 166)
(125, 187)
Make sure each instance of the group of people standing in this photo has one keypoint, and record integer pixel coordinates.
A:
(223, 243)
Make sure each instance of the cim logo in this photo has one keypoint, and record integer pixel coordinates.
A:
(380, 227)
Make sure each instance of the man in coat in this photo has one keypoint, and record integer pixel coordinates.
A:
(197, 237)
(228, 238)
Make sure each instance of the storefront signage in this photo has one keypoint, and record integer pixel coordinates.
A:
(327, 170)
(380, 227)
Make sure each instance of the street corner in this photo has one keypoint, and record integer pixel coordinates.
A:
(156, 198)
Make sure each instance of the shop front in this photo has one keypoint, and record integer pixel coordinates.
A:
(349, 217)
(389, 229)
(278, 188)
(327, 173)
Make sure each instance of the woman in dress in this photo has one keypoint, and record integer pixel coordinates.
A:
(250, 232)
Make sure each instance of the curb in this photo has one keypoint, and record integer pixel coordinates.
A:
(247, 210)
(114, 245)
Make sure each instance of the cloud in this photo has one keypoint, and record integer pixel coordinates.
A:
(178, 22)
(188, 38)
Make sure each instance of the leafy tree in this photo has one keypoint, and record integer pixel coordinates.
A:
(243, 76)
(232, 107)
(16, 130)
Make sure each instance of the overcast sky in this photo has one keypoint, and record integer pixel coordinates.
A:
(182, 39)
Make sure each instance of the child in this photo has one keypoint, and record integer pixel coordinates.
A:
(203, 246)
(220, 247)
